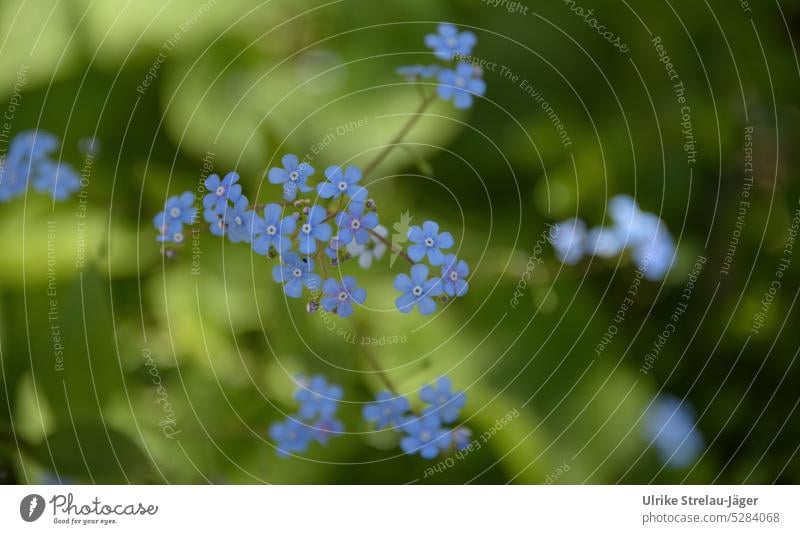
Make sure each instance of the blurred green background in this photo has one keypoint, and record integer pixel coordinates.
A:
(244, 83)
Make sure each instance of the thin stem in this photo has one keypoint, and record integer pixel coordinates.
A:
(395, 249)
(379, 370)
(400, 135)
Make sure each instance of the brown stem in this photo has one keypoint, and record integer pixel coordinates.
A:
(379, 370)
(395, 249)
(400, 135)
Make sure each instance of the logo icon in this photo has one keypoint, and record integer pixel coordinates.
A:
(31, 507)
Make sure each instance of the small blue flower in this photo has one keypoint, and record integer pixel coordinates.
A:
(294, 176)
(417, 290)
(317, 398)
(670, 425)
(355, 224)
(633, 226)
(416, 72)
(327, 428)
(603, 242)
(271, 232)
(216, 222)
(291, 436)
(313, 230)
(448, 42)
(342, 183)
(332, 250)
(339, 298)
(236, 219)
(461, 437)
(428, 241)
(221, 191)
(442, 401)
(58, 179)
(454, 274)
(13, 180)
(387, 411)
(424, 435)
(296, 273)
(568, 239)
(656, 256)
(32, 146)
(178, 210)
(460, 85)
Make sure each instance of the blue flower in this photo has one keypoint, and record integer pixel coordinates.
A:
(416, 72)
(291, 436)
(603, 242)
(448, 42)
(216, 222)
(294, 176)
(417, 290)
(313, 230)
(339, 298)
(13, 180)
(271, 232)
(424, 435)
(332, 250)
(461, 437)
(178, 210)
(58, 179)
(32, 146)
(220, 191)
(568, 239)
(326, 428)
(442, 401)
(655, 257)
(372, 250)
(342, 183)
(236, 219)
(460, 85)
(454, 274)
(670, 425)
(652, 246)
(296, 273)
(355, 224)
(428, 241)
(387, 411)
(317, 398)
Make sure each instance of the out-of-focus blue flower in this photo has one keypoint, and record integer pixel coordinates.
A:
(339, 298)
(428, 241)
(387, 411)
(271, 232)
(448, 42)
(425, 436)
(568, 240)
(373, 250)
(326, 428)
(294, 176)
(291, 436)
(460, 85)
(417, 290)
(454, 274)
(236, 219)
(655, 257)
(461, 437)
(58, 179)
(442, 401)
(416, 72)
(342, 183)
(645, 234)
(313, 230)
(603, 242)
(295, 273)
(670, 425)
(29, 160)
(178, 210)
(354, 224)
(221, 191)
(317, 398)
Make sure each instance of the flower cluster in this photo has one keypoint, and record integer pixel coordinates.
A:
(670, 425)
(459, 82)
(30, 160)
(315, 419)
(644, 234)
(425, 433)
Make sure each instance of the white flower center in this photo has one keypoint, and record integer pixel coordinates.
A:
(294, 175)
(297, 273)
(416, 291)
(175, 213)
(387, 412)
(178, 237)
(306, 228)
(429, 242)
(425, 436)
(453, 276)
(343, 295)
(460, 82)
(271, 230)
(342, 186)
(220, 191)
(355, 224)
(238, 221)
(451, 42)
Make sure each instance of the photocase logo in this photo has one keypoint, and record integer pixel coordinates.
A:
(31, 507)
